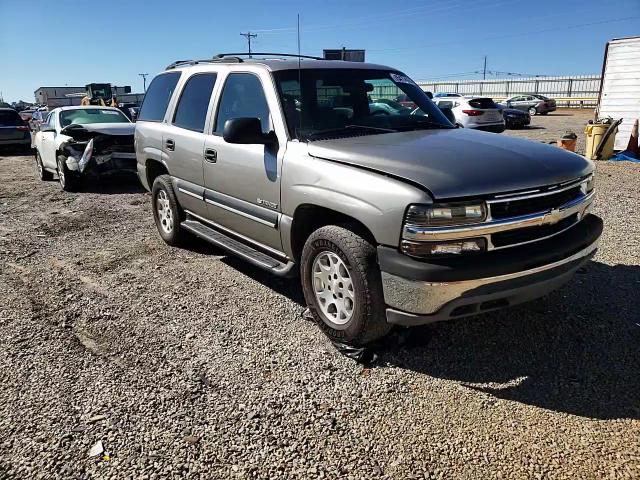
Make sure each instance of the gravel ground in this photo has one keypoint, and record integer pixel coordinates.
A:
(186, 363)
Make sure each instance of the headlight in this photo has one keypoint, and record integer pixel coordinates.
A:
(446, 214)
(434, 249)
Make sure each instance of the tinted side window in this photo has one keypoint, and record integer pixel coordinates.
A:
(157, 98)
(191, 111)
(242, 97)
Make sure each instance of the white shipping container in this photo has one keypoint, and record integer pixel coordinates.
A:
(620, 90)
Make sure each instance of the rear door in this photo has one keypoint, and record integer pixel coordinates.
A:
(183, 140)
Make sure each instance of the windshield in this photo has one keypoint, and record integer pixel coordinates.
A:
(91, 115)
(353, 101)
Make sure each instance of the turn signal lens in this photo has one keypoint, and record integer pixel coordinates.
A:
(589, 184)
(446, 214)
(433, 249)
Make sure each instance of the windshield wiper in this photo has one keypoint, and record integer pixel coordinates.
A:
(346, 128)
(426, 124)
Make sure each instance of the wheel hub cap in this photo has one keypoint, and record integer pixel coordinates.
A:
(333, 287)
(164, 212)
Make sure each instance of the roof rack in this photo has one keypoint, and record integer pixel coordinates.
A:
(235, 58)
(180, 63)
(270, 54)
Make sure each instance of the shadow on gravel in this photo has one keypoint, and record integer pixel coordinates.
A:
(576, 351)
(113, 184)
(288, 287)
(531, 127)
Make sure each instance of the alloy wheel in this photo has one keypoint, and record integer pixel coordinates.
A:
(165, 215)
(333, 287)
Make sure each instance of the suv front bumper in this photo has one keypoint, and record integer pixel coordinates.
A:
(419, 292)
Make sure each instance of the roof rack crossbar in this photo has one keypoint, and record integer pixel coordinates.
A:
(270, 54)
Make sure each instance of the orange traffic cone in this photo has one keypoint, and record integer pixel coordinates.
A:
(633, 141)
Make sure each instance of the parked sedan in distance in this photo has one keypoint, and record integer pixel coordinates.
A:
(384, 106)
(14, 131)
(533, 104)
(79, 141)
(514, 118)
(480, 113)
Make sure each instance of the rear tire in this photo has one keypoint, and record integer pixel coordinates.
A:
(342, 285)
(43, 174)
(69, 181)
(167, 211)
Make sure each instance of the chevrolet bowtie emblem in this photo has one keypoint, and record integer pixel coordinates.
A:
(554, 216)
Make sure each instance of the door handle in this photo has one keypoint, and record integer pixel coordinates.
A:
(210, 155)
(170, 144)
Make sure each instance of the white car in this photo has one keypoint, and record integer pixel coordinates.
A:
(74, 142)
(474, 112)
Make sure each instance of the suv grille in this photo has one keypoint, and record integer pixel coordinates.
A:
(515, 208)
(514, 237)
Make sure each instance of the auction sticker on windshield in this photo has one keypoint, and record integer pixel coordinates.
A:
(398, 78)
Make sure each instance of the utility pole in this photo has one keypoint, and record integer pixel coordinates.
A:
(144, 81)
(249, 36)
(484, 70)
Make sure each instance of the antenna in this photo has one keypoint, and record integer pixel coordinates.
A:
(249, 36)
(299, 79)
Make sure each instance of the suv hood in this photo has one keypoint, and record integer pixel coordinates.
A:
(453, 163)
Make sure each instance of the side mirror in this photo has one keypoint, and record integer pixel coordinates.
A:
(449, 114)
(45, 127)
(429, 94)
(246, 130)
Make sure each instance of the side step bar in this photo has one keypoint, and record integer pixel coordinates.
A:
(248, 253)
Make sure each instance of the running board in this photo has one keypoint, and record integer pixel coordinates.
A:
(250, 254)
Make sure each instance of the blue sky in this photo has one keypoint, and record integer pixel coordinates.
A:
(77, 42)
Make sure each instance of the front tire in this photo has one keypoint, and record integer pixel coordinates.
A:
(533, 111)
(166, 211)
(342, 285)
(69, 181)
(43, 174)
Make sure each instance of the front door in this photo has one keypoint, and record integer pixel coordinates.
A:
(242, 182)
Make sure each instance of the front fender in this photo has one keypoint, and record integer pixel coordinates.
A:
(377, 201)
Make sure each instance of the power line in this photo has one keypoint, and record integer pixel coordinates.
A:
(249, 36)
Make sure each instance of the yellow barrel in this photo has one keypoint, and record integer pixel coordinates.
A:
(594, 133)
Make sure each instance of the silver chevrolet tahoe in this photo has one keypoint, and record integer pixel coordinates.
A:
(389, 214)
